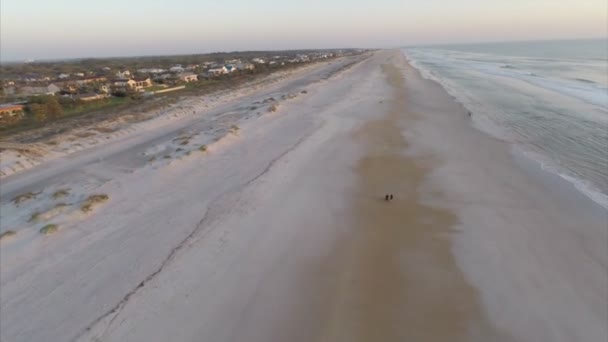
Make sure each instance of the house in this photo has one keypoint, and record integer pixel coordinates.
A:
(92, 79)
(231, 68)
(188, 77)
(177, 69)
(10, 114)
(142, 82)
(137, 83)
(162, 77)
(245, 66)
(123, 74)
(79, 74)
(217, 71)
(51, 89)
(151, 71)
(63, 76)
(123, 83)
(258, 61)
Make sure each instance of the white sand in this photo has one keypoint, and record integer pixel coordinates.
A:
(222, 213)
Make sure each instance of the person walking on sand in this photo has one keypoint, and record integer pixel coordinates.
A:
(391, 197)
(386, 197)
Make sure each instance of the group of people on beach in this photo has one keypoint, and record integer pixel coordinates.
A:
(388, 197)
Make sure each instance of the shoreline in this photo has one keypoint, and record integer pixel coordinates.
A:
(589, 189)
(398, 279)
(528, 241)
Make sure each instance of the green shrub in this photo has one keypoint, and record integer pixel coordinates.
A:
(92, 200)
(203, 148)
(25, 197)
(35, 216)
(61, 193)
(49, 229)
(7, 234)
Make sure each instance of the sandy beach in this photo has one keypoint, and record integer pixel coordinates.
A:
(277, 229)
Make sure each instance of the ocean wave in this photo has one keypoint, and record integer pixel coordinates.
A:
(471, 84)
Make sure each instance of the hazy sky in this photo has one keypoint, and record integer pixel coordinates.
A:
(41, 29)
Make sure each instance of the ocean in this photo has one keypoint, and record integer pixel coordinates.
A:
(548, 98)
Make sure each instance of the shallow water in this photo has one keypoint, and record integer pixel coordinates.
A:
(548, 98)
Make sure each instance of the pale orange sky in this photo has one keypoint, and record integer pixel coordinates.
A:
(76, 28)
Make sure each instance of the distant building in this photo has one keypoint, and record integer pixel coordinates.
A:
(142, 82)
(188, 77)
(51, 89)
(123, 74)
(10, 114)
(63, 76)
(231, 68)
(245, 66)
(151, 71)
(217, 71)
(79, 74)
(137, 83)
(258, 61)
(92, 79)
(177, 69)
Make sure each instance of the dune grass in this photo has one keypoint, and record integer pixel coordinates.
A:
(92, 201)
(273, 108)
(25, 197)
(61, 193)
(203, 148)
(49, 229)
(7, 234)
(234, 129)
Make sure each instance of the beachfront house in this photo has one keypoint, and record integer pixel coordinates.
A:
(92, 79)
(50, 89)
(217, 71)
(245, 66)
(123, 74)
(188, 77)
(230, 68)
(10, 114)
(142, 82)
(137, 83)
(177, 69)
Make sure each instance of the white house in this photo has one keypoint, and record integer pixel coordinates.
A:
(151, 71)
(64, 76)
(123, 74)
(188, 77)
(217, 71)
(245, 66)
(177, 68)
(258, 60)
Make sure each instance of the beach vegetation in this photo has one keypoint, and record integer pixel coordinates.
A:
(7, 234)
(49, 229)
(92, 201)
(61, 193)
(203, 148)
(234, 129)
(25, 197)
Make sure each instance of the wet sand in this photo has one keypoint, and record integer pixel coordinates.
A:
(398, 279)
